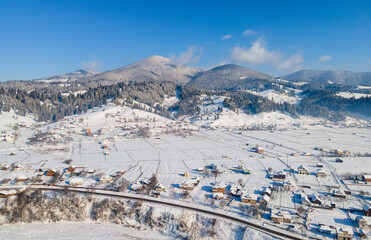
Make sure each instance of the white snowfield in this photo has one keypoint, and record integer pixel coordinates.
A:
(352, 95)
(107, 140)
(277, 97)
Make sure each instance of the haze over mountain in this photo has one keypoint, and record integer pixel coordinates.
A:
(155, 68)
(227, 77)
(71, 76)
(325, 76)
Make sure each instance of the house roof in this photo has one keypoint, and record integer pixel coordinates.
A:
(325, 228)
(250, 196)
(303, 167)
(366, 207)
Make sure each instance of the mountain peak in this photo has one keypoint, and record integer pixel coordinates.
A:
(228, 76)
(157, 58)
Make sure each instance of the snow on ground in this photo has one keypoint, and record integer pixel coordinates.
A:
(69, 230)
(364, 87)
(277, 97)
(169, 101)
(11, 118)
(352, 95)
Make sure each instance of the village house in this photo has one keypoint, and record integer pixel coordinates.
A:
(218, 196)
(246, 170)
(321, 173)
(325, 229)
(22, 178)
(281, 216)
(259, 150)
(339, 152)
(236, 190)
(105, 179)
(218, 187)
(345, 233)
(279, 175)
(264, 200)
(320, 165)
(304, 199)
(363, 234)
(51, 172)
(18, 167)
(90, 170)
(5, 167)
(366, 210)
(249, 198)
(339, 193)
(366, 178)
(267, 192)
(137, 186)
(339, 160)
(303, 170)
(71, 168)
(76, 181)
(315, 199)
(289, 185)
(4, 193)
(160, 188)
(189, 184)
(364, 222)
(186, 174)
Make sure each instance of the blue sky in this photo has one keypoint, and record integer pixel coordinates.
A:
(43, 38)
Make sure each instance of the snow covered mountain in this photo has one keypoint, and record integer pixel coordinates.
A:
(71, 76)
(325, 76)
(155, 68)
(228, 77)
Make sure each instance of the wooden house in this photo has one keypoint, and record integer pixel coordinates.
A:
(281, 216)
(303, 170)
(339, 193)
(160, 188)
(366, 210)
(366, 178)
(50, 172)
(321, 173)
(364, 222)
(219, 188)
(339, 152)
(105, 179)
(249, 198)
(22, 178)
(218, 196)
(264, 199)
(76, 181)
(345, 233)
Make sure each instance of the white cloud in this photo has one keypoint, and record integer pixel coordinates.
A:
(292, 63)
(249, 32)
(226, 36)
(259, 54)
(188, 56)
(93, 65)
(325, 58)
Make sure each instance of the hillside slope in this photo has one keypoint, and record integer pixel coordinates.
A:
(155, 68)
(228, 77)
(325, 76)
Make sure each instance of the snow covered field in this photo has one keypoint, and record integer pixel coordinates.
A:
(109, 141)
